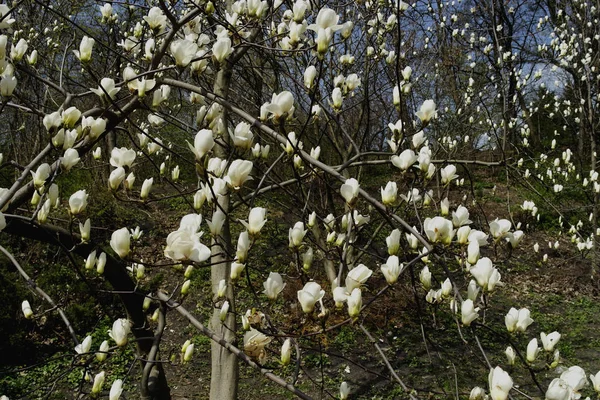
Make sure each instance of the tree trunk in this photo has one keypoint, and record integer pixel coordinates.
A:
(224, 371)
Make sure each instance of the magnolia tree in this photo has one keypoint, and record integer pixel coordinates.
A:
(261, 113)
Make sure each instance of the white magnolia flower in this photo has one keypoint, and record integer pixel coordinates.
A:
(78, 202)
(439, 229)
(468, 312)
(27, 311)
(115, 390)
(256, 220)
(273, 285)
(309, 296)
(350, 190)
(517, 320)
(357, 277)
(405, 160)
(499, 228)
(460, 217)
(550, 340)
(183, 51)
(120, 330)
(85, 49)
(427, 111)
(156, 19)
(122, 157)
(107, 87)
(500, 384)
(84, 346)
(238, 173)
(254, 345)
(486, 275)
(120, 242)
(281, 104)
(203, 143)
(392, 269)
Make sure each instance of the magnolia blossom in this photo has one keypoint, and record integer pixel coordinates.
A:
(203, 143)
(221, 49)
(106, 88)
(281, 104)
(477, 236)
(486, 275)
(115, 390)
(344, 391)
(70, 116)
(84, 346)
(296, 235)
(78, 202)
(156, 19)
(103, 350)
(184, 244)
(350, 190)
(243, 245)
(559, 390)
(425, 277)
(574, 377)
(393, 242)
(286, 352)
(392, 269)
(69, 159)
(468, 312)
(405, 160)
(532, 350)
(7, 85)
(116, 177)
(242, 136)
(238, 173)
(120, 242)
(438, 229)
(357, 277)
(256, 220)
(183, 51)
(18, 50)
(27, 311)
(326, 19)
(550, 340)
(129, 181)
(273, 285)
(84, 230)
(462, 234)
(120, 329)
(98, 382)
(254, 345)
(448, 174)
(518, 320)
(122, 157)
(188, 352)
(500, 384)
(215, 225)
(427, 111)
(460, 217)
(354, 302)
(100, 263)
(499, 228)
(310, 295)
(41, 175)
(309, 76)
(146, 187)
(85, 49)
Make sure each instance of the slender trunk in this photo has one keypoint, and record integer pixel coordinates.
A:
(224, 372)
